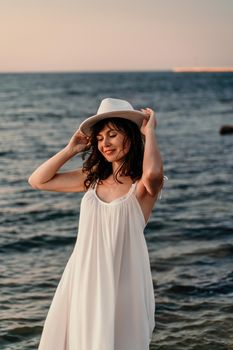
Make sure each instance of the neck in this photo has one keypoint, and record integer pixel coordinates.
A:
(116, 166)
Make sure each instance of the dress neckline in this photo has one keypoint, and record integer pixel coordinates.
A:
(118, 199)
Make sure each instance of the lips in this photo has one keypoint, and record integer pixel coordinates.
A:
(109, 151)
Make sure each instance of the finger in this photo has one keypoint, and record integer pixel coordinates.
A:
(81, 133)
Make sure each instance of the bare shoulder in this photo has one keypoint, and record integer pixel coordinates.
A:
(145, 199)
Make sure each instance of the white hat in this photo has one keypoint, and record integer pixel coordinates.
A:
(114, 108)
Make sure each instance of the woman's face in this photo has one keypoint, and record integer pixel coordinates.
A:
(110, 143)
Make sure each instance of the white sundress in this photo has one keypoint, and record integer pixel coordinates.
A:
(105, 297)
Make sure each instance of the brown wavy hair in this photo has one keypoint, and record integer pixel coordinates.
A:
(98, 168)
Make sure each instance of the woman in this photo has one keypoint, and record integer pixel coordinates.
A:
(105, 298)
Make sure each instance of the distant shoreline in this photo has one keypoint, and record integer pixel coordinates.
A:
(202, 69)
(167, 70)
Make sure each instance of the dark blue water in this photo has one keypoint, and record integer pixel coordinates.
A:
(189, 235)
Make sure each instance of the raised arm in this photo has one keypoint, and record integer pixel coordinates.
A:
(46, 176)
(152, 177)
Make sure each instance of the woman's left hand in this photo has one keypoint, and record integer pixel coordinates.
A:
(149, 122)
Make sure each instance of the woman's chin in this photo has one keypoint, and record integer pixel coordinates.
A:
(112, 157)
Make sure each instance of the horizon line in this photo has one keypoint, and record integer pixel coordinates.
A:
(202, 69)
(172, 70)
(85, 71)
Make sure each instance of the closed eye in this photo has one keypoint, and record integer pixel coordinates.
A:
(111, 136)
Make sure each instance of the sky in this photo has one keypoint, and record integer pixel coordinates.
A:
(119, 35)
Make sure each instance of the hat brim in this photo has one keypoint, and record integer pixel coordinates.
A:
(135, 116)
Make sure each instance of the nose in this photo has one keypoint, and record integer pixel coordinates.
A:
(106, 141)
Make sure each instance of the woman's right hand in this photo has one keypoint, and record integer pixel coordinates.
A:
(79, 142)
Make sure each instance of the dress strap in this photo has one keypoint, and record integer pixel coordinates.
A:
(134, 185)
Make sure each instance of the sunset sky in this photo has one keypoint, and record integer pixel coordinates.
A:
(107, 35)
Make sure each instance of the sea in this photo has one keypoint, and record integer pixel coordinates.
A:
(189, 234)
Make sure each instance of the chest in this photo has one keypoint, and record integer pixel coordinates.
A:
(110, 194)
